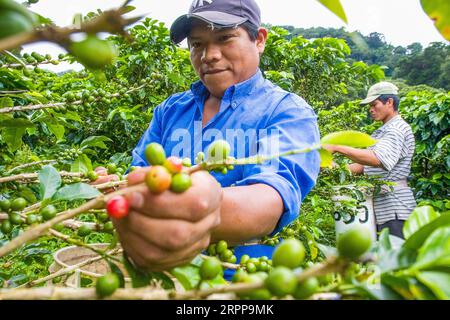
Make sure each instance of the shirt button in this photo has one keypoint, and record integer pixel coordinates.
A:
(234, 104)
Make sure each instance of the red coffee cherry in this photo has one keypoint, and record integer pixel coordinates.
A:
(118, 207)
(173, 164)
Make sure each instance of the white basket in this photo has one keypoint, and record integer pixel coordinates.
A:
(70, 256)
(365, 214)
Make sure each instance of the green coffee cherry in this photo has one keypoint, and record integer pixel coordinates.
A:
(281, 281)
(155, 154)
(210, 268)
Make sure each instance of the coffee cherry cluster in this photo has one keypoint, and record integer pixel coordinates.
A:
(165, 173)
(35, 58)
(252, 265)
(69, 154)
(12, 207)
(281, 280)
(221, 251)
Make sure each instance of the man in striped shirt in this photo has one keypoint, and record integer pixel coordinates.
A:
(390, 158)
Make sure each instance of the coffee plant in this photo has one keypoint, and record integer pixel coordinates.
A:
(62, 133)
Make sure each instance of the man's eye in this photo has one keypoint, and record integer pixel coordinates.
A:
(195, 44)
(225, 38)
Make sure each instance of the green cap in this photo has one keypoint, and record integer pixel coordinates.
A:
(378, 89)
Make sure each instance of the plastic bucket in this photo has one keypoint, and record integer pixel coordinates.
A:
(362, 214)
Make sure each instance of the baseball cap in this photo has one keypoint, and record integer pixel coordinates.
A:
(220, 13)
(378, 89)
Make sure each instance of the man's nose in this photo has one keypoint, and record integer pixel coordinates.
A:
(211, 53)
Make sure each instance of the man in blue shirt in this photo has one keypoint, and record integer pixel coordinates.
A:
(231, 101)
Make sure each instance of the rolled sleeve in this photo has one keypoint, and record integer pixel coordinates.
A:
(295, 127)
(388, 149)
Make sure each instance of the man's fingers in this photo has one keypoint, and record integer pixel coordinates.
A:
(153, 258)
(170, 234)
(105, 179)
(138, 175)
(200, 199)
(101, 171)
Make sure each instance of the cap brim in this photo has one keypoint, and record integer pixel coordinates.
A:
(182, 26)
(369, 99)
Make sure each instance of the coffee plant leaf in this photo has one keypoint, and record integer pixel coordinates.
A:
(138, 277)
(13, 137)
(335, 6)
(95, 141)
(326, 158)
(349, 138)
(391, 260)
(76, 191)
(435, 252)
(81, 164)
(439, 12)
(378, 292)
(6, 102)
(49, 182)
(16, 123)
(418, 218)
(115, 269)
(438, 282)
(188, 276)
(416, 240)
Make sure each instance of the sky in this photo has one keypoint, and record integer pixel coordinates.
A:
(401, 21)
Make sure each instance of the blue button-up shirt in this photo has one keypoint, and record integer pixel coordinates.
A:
(255, 117)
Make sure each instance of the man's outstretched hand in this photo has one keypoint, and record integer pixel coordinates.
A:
(167, 230)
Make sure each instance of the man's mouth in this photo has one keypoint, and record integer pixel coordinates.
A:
(213, 71)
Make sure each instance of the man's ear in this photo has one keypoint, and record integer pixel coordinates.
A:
(390, 103)
(261, 40)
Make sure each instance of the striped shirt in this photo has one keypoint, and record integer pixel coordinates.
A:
(394, 149)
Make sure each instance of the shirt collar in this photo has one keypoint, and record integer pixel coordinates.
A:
(388, 124)
(235, 94)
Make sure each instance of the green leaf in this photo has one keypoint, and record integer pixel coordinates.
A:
(335, 7)
(378, 292)
(391, 260)
(418, 238)
(418, 218)
(76, 191)
(435, 252)
(95, 141)
(188, 276)
(81, 164)
(57, 129)
(115, 269)
(438, 282)
(162, 279)
(439, 12)
(384, 242)
(13, 137)
(49, 182)
(326, 158)
(16, 123)
(349, 138)
(6, 102)
(138, 277)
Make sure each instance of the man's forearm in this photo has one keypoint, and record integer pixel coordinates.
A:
(361, 156)
(248, 212)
